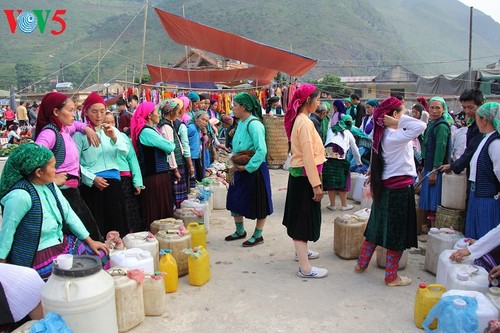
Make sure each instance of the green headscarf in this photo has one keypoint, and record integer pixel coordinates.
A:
(446, 115)
(491, 112)
(250, 103)
(342, 124)
(21, 163)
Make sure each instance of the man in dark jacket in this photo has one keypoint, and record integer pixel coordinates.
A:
(357, 111)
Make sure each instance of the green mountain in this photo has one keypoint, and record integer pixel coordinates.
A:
(348, 37)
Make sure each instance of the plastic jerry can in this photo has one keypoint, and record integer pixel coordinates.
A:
(348, 235)
(381, 258)
(467, 277)
(485, 312)
(188, 215)
(203, 206)
(198, 234)
(165, 224)
(199, 266)
(133, 259)
(129, 300)
(438, 240)
(494, 297)
(154, 295)
(454, 190)
(425, 299)
(445, 264)
(146, 241)
(168, 265)
(176, 243)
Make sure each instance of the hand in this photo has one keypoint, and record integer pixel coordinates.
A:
(100, 183)
(318, 193)
(92, 137)
(459, 255)
(368, 179)
(494, 273)
(60, 178)
(191, 170)
(109, 131)
(177, 175)
(390, 121)
(231, 133)
(96, 246)
(445, 168)
(433, 178)
(137, 190)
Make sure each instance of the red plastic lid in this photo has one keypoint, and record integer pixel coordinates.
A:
(422, 285)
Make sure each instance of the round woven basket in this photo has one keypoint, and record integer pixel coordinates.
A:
(450, 218)
(276, 140)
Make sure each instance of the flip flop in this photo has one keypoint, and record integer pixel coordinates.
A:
(404, 281)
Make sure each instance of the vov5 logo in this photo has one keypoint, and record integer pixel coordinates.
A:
(28, 20)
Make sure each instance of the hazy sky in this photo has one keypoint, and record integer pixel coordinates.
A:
(489, 7)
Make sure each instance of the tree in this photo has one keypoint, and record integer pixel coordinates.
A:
(331, 84)
(27, 75)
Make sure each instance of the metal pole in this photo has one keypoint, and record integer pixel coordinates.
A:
(144, 38)
(470, 48)
(61, 68)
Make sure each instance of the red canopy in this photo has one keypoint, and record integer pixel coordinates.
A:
(232, 46)
(167, 74)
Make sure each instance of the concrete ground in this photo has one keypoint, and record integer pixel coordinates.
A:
(257, 289)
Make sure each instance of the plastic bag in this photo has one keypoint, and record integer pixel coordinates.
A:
(286, 166)
(453, 316)
(51, 323)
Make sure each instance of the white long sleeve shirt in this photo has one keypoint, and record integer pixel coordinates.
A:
(398, 147)
(485, 244)
(493, 151)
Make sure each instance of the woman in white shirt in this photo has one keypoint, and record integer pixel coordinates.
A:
(392, 223)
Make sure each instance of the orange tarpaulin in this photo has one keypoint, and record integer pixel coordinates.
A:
(167, 74)
(232, 46)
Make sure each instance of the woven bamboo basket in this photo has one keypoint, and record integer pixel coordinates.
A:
(450, 218)
(276, 140)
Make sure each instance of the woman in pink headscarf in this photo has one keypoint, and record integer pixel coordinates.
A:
(302, 217)
(392, 223)
(157, 200)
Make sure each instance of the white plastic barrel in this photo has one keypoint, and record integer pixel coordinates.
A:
(354, 180)
(84, 296)
(467, 277)
(357, 194)
(145, 241)
(453, 190)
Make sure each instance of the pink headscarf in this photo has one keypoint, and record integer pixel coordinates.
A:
(299, 97)
(138, 120)
(184, 117)
(387, 105)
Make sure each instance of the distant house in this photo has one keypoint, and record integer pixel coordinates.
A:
(397, 80)
(198, 59)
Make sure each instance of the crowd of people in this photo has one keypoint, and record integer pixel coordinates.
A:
(91, 171)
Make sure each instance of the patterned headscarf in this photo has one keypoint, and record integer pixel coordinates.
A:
(388, 105)
(446, 115)
(250, 103)
(491, 112)
(344, 123)
(298, 99)
(51, 101)
(138, 120)
(169, 104)
(21, 163)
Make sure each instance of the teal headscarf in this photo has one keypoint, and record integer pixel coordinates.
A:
(446, 115)
(250, 103)
(491, 112)
(372, 102)
(21, 163)
(342, 124)
(193, 96)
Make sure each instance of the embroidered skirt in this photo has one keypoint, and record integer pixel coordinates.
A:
(393, 220)
(71, 245)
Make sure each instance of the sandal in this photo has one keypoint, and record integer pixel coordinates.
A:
(404, 281)
(358, 269)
